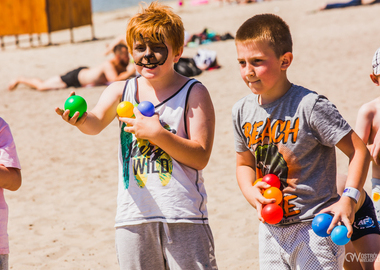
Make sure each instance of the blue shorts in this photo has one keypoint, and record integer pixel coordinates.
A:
(365, 220)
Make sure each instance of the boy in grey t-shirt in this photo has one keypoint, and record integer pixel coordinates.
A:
(290, 131)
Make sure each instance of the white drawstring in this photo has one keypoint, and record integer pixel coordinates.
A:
(166, 229)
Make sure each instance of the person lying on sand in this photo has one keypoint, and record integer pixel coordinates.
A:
(116, 69)
(351, 3)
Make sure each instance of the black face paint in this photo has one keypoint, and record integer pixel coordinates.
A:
(149, 54)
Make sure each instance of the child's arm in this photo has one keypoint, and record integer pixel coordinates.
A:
(354, 148)
(194, 151)
(94, 121)
(112, 74)
(374, 148)
(246, 176)
(364, 127)
(364, 123)
(10, 178)
(129, 72)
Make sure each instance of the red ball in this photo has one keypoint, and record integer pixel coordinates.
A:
(272, 213)
(272, 180)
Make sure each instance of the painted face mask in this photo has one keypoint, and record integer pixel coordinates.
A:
(149, 54)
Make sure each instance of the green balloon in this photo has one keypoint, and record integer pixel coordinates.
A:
(76, 104)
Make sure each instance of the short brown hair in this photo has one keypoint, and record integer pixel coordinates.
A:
(118, 48)
(157, 22)
(267, 27)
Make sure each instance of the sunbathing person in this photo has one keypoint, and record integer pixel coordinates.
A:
(116, 69)
(351, 3)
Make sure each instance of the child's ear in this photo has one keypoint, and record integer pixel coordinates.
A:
(286, 60)
(178, 55)
(374, 78)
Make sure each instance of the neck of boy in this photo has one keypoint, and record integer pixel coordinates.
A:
(275, 94)
(161, 88)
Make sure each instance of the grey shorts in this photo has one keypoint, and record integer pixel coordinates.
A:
(296, 246)
(4, 262)
(162, 246)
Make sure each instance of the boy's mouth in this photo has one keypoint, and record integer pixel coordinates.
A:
(252, 82)
(149, 66)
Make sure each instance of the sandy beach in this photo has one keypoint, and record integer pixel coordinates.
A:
(62, 217)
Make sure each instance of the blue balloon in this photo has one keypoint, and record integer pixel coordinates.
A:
(321, 223)
(146, 108)
(339, 235)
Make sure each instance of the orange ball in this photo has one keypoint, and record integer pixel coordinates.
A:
(273, 193)
(125, 109)
(258, 180)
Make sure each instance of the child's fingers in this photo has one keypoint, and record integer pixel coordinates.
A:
(82, 119)
(59, 111)
(262, 185)
(128, 121)
(129, 124)
(129, 129)
(137, 113)
(73, 120)
(65, 115)
(332, 226)
(259, 207)
(348, 225)
(264, 200)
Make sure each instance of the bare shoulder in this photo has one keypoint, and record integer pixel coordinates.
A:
(108, 64)
(200, 100)
(370, 108)
(199, 91)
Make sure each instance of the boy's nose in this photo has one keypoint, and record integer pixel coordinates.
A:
(249, 73)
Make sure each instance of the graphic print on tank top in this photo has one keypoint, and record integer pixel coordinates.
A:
(146, 158)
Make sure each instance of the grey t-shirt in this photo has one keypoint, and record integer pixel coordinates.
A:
(294, 138)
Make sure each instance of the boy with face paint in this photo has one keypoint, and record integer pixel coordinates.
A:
(150, 54)
(161, 219)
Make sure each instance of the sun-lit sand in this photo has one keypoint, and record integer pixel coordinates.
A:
(63, 215)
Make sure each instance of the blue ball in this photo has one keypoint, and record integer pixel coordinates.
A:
(321, 223)
(146, 108)
(339, 235)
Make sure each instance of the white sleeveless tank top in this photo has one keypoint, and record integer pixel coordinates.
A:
(152, 185)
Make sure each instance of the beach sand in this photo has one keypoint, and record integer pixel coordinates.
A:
(63, 215)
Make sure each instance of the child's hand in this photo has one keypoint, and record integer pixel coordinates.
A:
(344, 214)
(71, 120)
(143, 127)
(258, 200)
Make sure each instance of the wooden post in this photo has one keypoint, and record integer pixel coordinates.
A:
(71, 21)
(31, 40)
(49, 39)
(93, 32)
